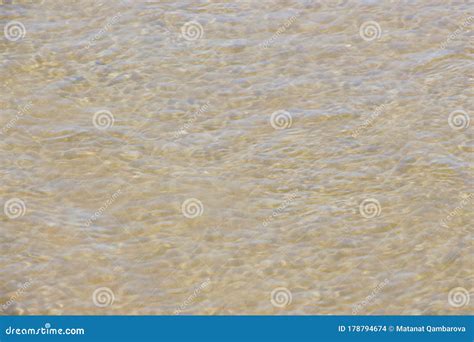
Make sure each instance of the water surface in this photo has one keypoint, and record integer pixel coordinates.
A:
(251, 157)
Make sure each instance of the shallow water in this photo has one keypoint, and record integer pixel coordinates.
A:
(257, 157)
